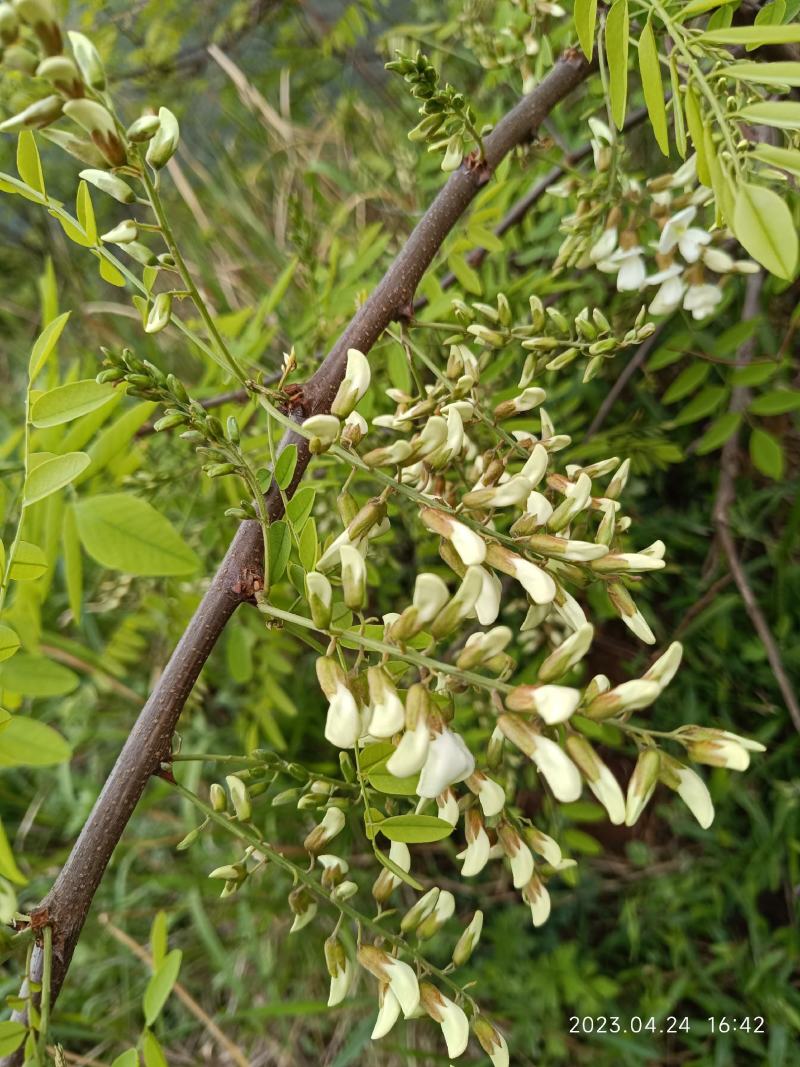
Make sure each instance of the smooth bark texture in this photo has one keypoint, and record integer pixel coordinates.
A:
(65, 907)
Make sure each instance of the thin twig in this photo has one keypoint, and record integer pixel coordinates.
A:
(726, 494)
(631, 367)
(180, 992)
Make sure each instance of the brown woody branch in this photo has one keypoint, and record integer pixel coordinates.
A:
(65, 907)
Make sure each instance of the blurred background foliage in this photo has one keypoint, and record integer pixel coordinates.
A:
(293, 187)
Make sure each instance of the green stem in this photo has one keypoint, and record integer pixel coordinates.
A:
(405, 654)
(169, 239)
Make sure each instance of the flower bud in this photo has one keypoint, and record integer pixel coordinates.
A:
(552, 703)
(121, 234)
(419, 911)
(319, 595)
(340, 969)
(354, 384)
(34, 117)
(564, 548)
(324, 430)
(512, 493)
(61, 72)
(386, 882)
(239, 797)
(9, 24)
(88, 59)
(354, 577)
(628, 562)
(629, 696)
(468, 941)
(666, 666)
(164, 142)
(718, 748)
(460, 605)
(388, 714)
(143, 128)
(577, 495)
(625, 606)
(537, 583)
(483, 647)
(598, 777)
(109, 184)
(556, 767)
(443, 908)
(40, 16)
(331, 825)
(642, 784)
(219, 802)
(569, 653)
(469, 545)
(529, 398)
(100, 125)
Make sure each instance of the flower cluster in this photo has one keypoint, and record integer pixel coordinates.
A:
(650, 238)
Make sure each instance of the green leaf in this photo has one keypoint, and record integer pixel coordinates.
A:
(160, 986)
(111, 274)
(468, 278)
(755, 374)
(29, 563)
(687, 381)
(158, 938)
(694, 120)
(28, 163)
(44, 345)
(784, 114)
(308, 546)
(152, 1051)
(9, 642)
(585, 19)
(764, 73)
(415, 829)
(68, 402)
(29, 743)
(701, 405)
(765, 452)
(299, 507)
(776, 402)
(390, 865)
(116, 437)
(11, 1036)
(8, 865)
(73, 562)
(285, 466)
(718, 432)
(699, 7)
(380, 779)
(617, 55)
(33, 675)
(784, 158)
(85, 211)
(125, 533)
(279, 541)
(763, 225)
(752, 35)
(129, 1058)
(679, 122)
(653, 87)
(53, 474)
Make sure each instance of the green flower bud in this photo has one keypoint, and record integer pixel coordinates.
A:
(319, 595)
(109, 184)
(61, 72)
(240, 798)
(100, 126)
(40, 16)
(219, 802)
(143, 128)
(18, 57)
(159, 314)
(9, 24)
(465, 945)
(122, 234)
(40, 114)
(162, 146)
(88, 59)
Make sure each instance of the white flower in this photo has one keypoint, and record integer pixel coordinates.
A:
(604, 245)
(491, 796)
(330, 557)
(678, 231)
(701, 300)
(538, 898)
(476, 854)
(340, 983)
(642, 784)
(719, 748)
(670, 293)
(430, 596)
(718, 260)
(487, 606)
(448, 807)
(354, 384)
(631, 274)
(448, 761)
(453, 1021)
(388, 1012)
(666, 666)
(354, 577)
(535, 466)
(539, 506)
(469, 545)
(492, 1042)
(465, 945)
(343, 721)
(401, 978)
(519, 856)
(388, 714)
(557, 768)
(692, 790)
(409, 756)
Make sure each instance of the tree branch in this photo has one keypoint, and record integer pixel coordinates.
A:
(726, 494)
(65, 907)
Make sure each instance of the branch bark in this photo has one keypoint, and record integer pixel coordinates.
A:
(65, 907)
